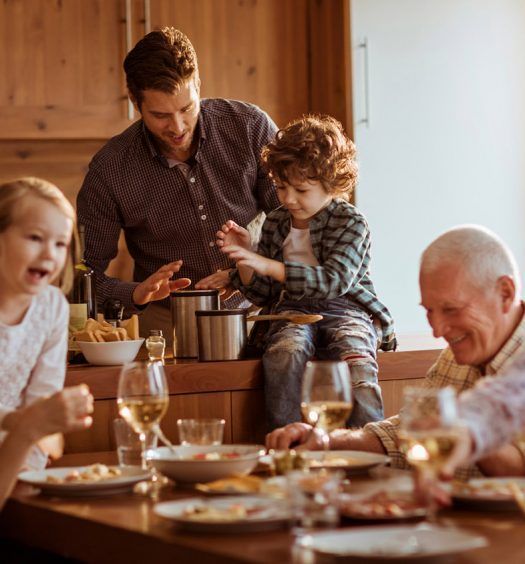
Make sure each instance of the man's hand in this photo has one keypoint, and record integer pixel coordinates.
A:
(159, 286)
(232, 234)
(219, 280)
(296, 435)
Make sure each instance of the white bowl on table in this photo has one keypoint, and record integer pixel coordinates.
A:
(112, 353)
(179, 464)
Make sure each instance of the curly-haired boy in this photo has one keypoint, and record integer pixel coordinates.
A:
(313, 257)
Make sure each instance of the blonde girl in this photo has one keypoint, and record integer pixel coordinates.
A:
(36, 227)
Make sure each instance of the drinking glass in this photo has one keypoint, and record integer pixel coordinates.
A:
(428, 431)
(326, 396)
(142, 399)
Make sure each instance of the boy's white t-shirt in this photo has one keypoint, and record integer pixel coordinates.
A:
(297, 247)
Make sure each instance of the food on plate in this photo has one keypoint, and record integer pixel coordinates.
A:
(486, 488)
(332, 461)
(233, 512)
(213, 456)
(382, 505)
(235, 484)
(285, 460)
(93, 473)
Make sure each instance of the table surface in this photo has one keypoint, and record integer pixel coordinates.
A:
(123, 528)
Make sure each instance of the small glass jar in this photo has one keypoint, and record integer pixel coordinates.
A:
(156, 345)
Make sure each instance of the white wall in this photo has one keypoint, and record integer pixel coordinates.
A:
(446, 139)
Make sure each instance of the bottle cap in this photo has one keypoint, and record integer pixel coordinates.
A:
(155, 333)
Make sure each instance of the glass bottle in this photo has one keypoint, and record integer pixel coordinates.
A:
(113, 310)
(82, 298)
(156, 345)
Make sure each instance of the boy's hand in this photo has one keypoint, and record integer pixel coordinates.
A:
(159, 286)
(233, 234)
(262, 265)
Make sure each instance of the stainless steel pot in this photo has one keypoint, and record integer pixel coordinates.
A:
(184, 303)
(221, 334)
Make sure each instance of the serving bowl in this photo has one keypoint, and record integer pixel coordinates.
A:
(190, 464)
(106, 354)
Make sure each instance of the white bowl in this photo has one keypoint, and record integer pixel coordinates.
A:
(106, 354)
(177, 463)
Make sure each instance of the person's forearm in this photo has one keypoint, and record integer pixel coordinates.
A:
(355, 440)
(245, 274)
(13, 452)
(506, 461)
(276, 270)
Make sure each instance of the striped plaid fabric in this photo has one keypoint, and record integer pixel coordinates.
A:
(446, 372)
(341, 243)
(167, 215)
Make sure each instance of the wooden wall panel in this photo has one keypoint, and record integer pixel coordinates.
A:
(330, 60)
(248, 50)
(248, 418)
(100, 436)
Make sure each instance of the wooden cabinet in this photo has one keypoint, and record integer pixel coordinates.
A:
(61, 67)
(247, 50)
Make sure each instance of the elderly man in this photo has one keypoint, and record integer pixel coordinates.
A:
(171, 179)
(470, 289)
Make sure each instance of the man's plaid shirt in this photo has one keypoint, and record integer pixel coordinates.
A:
(166, 214)
(446, 372)
(341, 243)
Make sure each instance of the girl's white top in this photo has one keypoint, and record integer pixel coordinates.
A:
(33, 357)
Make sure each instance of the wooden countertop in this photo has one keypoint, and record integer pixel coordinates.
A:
(185, 377)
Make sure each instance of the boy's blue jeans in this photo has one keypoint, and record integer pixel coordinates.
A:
(346, 332)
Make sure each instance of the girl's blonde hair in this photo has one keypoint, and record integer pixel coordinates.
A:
(14, 192)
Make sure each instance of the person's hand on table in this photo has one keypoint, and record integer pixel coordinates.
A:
(295, 435)
(426, 484)
(159, 286)
(232, 234)
(219, 280)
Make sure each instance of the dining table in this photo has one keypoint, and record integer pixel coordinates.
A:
(124, 527)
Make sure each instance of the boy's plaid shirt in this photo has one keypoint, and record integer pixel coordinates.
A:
(341, 243)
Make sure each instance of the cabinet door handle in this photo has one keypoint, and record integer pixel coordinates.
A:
(129, 38)
(147, 16)
(364, 46)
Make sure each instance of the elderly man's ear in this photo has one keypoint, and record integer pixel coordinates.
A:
(506, 288)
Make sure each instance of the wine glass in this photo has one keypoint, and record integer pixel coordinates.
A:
(428, 431)
(326, 396)
(142, 399)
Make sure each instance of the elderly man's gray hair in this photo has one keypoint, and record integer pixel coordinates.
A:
(477, 250)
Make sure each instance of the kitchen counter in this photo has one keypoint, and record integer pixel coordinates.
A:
(232, 390)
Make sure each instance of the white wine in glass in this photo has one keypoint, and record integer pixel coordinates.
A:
(326, 396)
(142, 398)
(428, 430)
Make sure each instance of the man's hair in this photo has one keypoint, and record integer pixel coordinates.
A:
(162, 60)
(313, 147)
(477, 250)
(12, 196)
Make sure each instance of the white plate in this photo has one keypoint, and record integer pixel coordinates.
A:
(265, 514)
(130, 475)
(352, 461)
(486, 495)
(394, 542)
(177, 464)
